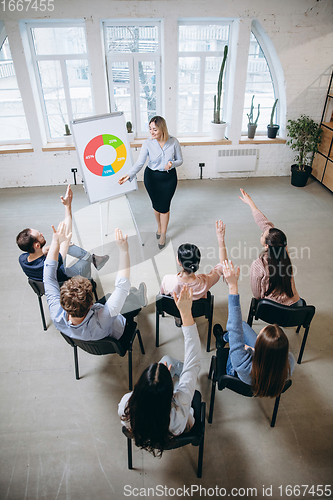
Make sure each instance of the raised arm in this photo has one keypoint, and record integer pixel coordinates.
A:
(124, 259)
(61, 235)
(259, 217)
(67, 202)
(220, 233)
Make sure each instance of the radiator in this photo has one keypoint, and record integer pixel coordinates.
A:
(236, 160)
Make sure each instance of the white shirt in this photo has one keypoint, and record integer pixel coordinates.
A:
(157, 157)
(181, 415)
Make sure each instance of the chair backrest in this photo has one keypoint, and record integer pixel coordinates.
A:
(108, 345)
(201, 307)
(37, 286)
(193, 436)
(272, 312)
(234, 383)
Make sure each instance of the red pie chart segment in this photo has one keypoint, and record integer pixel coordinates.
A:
(90, 155)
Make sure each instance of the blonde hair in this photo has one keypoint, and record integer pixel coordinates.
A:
(161, 125)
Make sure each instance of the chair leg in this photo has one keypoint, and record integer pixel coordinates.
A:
(42, 312)
(212, 400)
(210, 324)
(276, 407)
(305, 336)
(298, 328)
(130, 381)
(201, 445)
(140, 341)
(76, 361)
(211, 369)
(129, 453)
(157, 329)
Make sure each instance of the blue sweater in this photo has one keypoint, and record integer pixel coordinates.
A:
(241, 358)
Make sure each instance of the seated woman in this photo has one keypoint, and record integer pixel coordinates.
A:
(272, 273)
(188, 257)
(262, 361)
(157, 410)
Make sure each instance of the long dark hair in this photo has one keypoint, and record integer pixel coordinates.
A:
(189, 257)
(270, 364)
(148, 409)
(278, 261)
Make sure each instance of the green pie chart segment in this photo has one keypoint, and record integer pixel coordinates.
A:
(89, 155)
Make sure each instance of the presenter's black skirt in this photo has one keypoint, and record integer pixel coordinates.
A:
(161, 186)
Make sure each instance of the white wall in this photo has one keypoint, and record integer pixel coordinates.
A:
(301, 32)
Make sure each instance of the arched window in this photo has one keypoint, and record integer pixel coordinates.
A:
(13, 124)
(262, 81)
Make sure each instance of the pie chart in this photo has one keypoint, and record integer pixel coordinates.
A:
(91, 148)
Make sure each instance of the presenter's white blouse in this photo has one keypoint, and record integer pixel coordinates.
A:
(157, 157)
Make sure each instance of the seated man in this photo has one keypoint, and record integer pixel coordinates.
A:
(33, 243)
(72, 309)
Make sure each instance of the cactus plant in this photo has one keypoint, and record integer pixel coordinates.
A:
(250, 115)
(129, 127)
(67, 131)
(271, 124)
(217, 101)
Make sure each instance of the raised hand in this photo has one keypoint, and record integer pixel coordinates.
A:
(246, 198)
(231, 276)
(184, 303)
(121, 240)
(68, 198)
(123, 179)
(61, 234)
(220, 230)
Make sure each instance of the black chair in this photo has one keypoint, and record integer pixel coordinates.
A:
(38, 288)
(217, 373)
(285, 316)
(201, 307)
(109, 345)
(195, 436)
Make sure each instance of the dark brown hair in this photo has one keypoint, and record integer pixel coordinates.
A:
(270, 365)
(148, 409)
(26, 241)
(76, 296)
(278, 262)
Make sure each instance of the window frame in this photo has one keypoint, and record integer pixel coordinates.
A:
(3, 37)
(132, 59)
(62, 58)
(203, 55)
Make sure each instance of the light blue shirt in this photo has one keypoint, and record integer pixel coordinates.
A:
(101, 320)
(157, 157)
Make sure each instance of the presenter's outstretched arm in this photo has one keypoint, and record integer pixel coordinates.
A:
(123, 179)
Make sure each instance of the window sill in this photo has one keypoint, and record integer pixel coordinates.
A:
(58, 146)
(261, 140)
(189, 141)
(9, 149)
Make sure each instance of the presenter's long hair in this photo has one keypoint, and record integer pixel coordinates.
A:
(270, 365)
(161, 125)
(189, 257)
(278, 261)
(148, 409)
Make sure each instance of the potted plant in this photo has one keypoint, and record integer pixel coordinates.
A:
(272, 129)
(130, 131)
(305, 137)
(68, 136)
(217, 126)
(252, 125)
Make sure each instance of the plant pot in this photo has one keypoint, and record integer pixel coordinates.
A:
(131, 136)
(217, 130)
(299, 178)
(272, 131)
(251, 130)
(68, 140)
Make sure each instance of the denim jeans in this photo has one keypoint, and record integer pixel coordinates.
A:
(250, 338)
(83, 266)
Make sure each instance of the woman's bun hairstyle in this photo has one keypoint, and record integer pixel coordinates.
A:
(189, 257)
